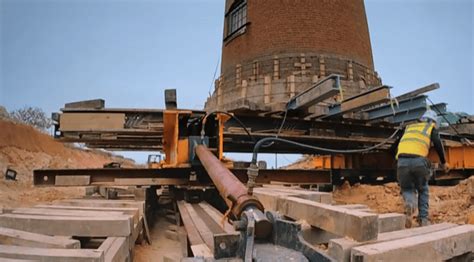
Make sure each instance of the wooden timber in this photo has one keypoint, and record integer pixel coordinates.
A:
(69, 226)
(51, 255)
(9, 236)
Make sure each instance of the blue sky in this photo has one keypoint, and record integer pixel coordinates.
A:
(127, 52)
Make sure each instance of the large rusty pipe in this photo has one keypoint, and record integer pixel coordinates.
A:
(233, 191)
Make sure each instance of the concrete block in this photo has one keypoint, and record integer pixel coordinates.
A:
(435, 246)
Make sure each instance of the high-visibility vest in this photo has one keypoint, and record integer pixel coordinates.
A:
(416, 139)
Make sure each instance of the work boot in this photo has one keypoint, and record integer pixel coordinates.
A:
(409, 215)
(424, 222)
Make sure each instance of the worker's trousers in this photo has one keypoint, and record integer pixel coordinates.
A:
(413, 175)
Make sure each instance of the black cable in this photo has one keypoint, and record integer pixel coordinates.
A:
(444, 117)
(316, 148)
(228, 114)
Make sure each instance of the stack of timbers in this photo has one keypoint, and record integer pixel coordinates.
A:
(351, 232)
(89, 229)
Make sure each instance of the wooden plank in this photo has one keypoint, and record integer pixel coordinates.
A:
(116, 249)
(9, 236)
(63, 212)
(418, 91)
(321, 197)
(217, 217)
(69, 226)
(340, 248)
(72, 180)
(371, 98)
(92, 104)
(104, 203)
(183, 241)
(324, 89)
(51, 255)
(364, 100)
(135, 212)
(206, 234)
(16, 260)
(201, 250)
(91, 121)
(360, 226)
(193, 234)
(354, 206)
(435, 246)
(268, 199)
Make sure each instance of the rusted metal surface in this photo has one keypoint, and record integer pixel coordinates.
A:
(234, 192)
(229, 186)
(176, 176)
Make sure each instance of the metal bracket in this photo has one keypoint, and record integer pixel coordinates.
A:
(288, 234)
(226, 245)
(193, 142)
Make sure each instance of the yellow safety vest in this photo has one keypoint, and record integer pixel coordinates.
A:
(416, 139)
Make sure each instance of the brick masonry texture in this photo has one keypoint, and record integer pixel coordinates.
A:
(327, 36)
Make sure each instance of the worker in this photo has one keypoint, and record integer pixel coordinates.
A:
(414, 168)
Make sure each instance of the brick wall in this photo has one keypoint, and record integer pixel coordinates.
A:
(333, 27)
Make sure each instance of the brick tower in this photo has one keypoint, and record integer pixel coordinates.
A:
(274, 49)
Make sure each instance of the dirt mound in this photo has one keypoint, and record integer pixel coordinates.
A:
(24, 149)
(27, 138)
(447, 204)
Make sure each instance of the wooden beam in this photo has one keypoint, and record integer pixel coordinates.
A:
(372, 97)
(193, 234)
(358, 225)
(321, 197)
(436, 246)
(418, 91)
(125, 210)
(69, 226)
(91, 104)
(51, 255)
(322, 90)
(217, 217)
(269, 196)
(340, 248)
(104, 203)
(9, 236)
(91, 121)
(116, 249)
(62, 212)
(206, 234)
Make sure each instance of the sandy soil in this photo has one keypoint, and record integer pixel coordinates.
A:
(447, 203)
(25, 149)
(160, 247)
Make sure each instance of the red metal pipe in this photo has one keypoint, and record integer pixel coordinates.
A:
(230, 188)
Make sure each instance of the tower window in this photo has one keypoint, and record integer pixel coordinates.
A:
(237, 18)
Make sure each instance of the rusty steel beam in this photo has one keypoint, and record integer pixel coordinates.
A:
(171, 176)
